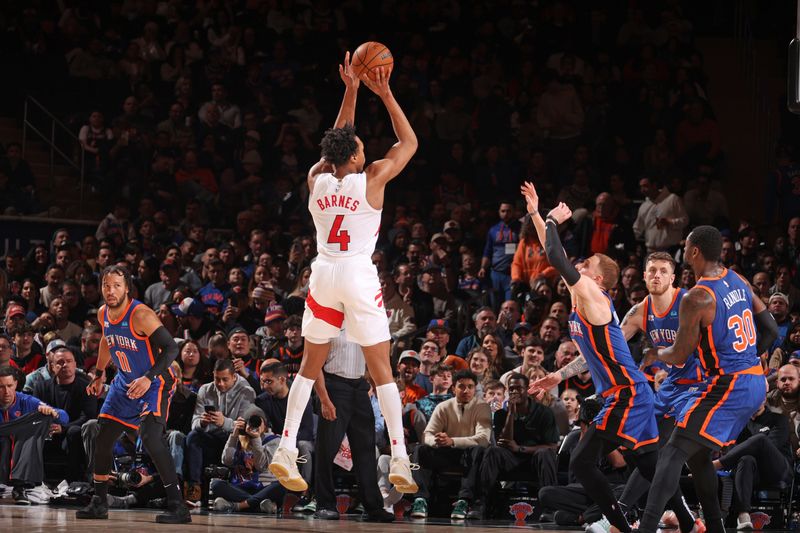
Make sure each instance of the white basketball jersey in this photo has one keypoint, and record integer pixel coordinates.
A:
(347, 226)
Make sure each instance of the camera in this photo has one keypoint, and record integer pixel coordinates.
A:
(217, 472)
(129, 479)
(253, 423)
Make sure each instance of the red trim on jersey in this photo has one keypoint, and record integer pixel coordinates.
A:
(330, 315)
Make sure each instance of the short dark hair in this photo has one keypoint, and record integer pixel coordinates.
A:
(492, 384)
(224, 364)
(20, 329)
(708, 240)
(465, 374)
(518, 375)
(440, 368)
(534, 342)
(662, 256)
(338, 144)
(119, 271)
(8, 371)
(276, 369)
(293, 321)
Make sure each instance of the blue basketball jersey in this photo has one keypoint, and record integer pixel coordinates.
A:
(606, 352)
(661, 331)
(130, 352)
(728, 344)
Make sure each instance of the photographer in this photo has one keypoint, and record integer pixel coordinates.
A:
(133, 477)
(250, 486)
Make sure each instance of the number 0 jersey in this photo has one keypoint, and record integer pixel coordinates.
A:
(347, 226)
(131, 353)
(728, 344)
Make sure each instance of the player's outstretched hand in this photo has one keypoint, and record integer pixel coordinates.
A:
(138, 387)
(379, 86)
(347, 74)
(542, 386)
(561, 213)
(531, 198)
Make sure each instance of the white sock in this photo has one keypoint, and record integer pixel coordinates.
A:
(296, 403)
(392, 409)
(744, 517)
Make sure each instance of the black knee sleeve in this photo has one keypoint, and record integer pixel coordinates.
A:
(107, 435)
(152, 434)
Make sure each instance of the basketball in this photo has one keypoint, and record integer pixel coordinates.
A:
(369, 57)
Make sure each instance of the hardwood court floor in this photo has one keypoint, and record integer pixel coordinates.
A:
(29, 519)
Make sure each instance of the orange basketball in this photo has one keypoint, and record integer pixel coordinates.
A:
(369, 56)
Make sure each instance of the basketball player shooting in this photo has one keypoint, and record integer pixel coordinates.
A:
(345, 201)
(138, 399)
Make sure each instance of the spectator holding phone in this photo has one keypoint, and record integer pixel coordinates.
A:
(219, 404)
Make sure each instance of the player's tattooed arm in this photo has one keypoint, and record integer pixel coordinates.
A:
(631, 323)
(697, 309)
(573, 368)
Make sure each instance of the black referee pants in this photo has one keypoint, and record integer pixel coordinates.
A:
(355, 419)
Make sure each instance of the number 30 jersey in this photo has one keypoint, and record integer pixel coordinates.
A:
(728, 344)
(347, 226)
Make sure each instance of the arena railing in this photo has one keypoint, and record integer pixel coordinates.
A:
(60, 140)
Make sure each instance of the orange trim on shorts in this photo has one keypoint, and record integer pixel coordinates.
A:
(115, 419)
(603, 424)
(697, 402)
(332, 316)
(713, 409)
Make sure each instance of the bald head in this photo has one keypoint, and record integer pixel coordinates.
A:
(789, 380)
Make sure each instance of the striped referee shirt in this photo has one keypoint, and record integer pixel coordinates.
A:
(345, 359)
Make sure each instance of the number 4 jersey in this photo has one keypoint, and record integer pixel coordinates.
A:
(346, 224)
(728, 344)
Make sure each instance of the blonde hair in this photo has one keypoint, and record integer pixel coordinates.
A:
(609, 270)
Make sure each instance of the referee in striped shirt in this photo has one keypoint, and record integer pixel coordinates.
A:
(346, 410)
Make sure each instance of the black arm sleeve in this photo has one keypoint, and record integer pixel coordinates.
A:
(767, 330)
(167, 351)
(557, 256)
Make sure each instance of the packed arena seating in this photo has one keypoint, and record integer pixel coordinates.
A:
(199, 122)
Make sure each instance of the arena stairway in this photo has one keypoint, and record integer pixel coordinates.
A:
(59, 197)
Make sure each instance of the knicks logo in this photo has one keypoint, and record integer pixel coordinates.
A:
(342, 503)
(520, 511)
(760, 520)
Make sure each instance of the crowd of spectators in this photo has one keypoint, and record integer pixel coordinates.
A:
(202, 123)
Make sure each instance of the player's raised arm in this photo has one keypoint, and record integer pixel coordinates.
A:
(400, 154)
(696, 305)
(347, 112)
